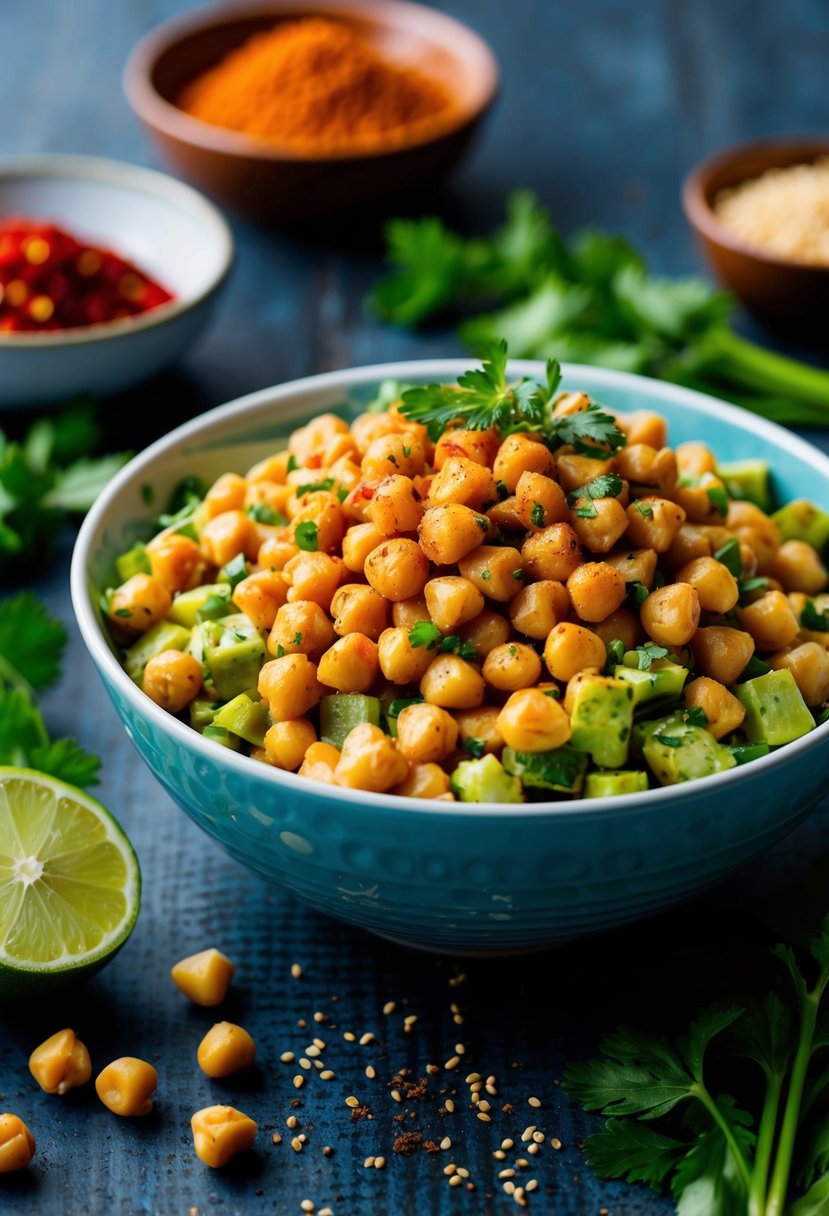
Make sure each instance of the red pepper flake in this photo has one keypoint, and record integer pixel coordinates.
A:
(49, 280)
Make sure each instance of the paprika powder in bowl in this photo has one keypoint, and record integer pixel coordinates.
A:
(107, 272)
(288, 109)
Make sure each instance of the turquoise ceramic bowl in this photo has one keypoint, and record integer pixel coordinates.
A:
(466, 878)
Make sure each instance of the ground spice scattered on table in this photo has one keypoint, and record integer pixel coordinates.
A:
(316, 86)
(50, 280)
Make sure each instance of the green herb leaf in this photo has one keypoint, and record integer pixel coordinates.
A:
(731, 558)
(591, 432)
(750, 586)
(424, 633)
(814, 619)
(475, 747)
(306, 536)
(718, 497)
(644, 508)
(313, 486)
(615, 652)
(632, 1151)
(696, 716)
(396, 708)
(648, 653)
(32, 642)
(68, 761)
(537, 515)
(606, 485)
(263, 514)
(635, 596)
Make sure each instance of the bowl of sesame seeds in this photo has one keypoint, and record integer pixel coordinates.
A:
(107, 272)
(760, 212)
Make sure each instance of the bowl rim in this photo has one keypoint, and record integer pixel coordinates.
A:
(156, 111)
(439, 369)
(138, 179)
(701, 215)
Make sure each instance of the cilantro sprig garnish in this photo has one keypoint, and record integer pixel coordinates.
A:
(483, 397)
(424, 633)
(716, 1156)
(31, 648)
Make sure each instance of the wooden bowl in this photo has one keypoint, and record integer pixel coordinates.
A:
(273, 183)
(790, 294)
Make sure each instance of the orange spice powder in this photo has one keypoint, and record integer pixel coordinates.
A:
(317, 87)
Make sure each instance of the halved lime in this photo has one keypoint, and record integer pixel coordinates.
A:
(70, 885)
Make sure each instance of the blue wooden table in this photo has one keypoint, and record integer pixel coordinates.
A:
(604, 107)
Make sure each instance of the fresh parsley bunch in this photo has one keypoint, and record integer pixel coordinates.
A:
(31, 648)
(591, 300)
(717, 1157)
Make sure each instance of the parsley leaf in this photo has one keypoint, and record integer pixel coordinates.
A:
(537, 515)
(591, 432)
(695, 716)
(424, 633)
(68, 761)
(631, 1150)
(644, 508)
(606, 485)
(475, 747)
(306, 536)
(31, 642)
(647, 654)
(313, 486)
(814, 619)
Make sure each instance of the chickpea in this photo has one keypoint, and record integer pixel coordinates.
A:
(368, 427)
(496, 571)
(370, 761)
(448, 533)
(315, 577)
(572, 648)
(482, 725)
(694, 459)
(395, 506)
(357, 503)
(286, 743)
(172, 679)
(539, 607)
(700, 503)
(753, 526)
(176, 561)
(274, 554)
(426, 733)
(575, 471)
(605, 524)
(300, 628)
(567, 404)
(452, 601)
(358, 542)
(400, 661)
(17, 1144)
(463, 481)
(540, 502)
(138, 604)
(621, 625)
(644, 426)
(713, 582)
(204, 977)
(397, 569)
(721, 652)
(260, 596)
(324, 510)
(670, 614)
(392, 454)
(522, 454)
(227, 534)
(290, 686)
(596, 589)
(359, 609)
(690, 542)
(406, 613)
(723, 711)
(770, 621)
(219, 1133)
(533, 722)
(653, 523)
(635, 565)
(125, 1086)
(552, 554)
(480, 446)
(511, 666)
(60, 1063)
(272, 468)
(268, 494)
(488, 630)
(321, 760)
(645, 466)
(425, 781)
(506, 516)
(809, 664)
(798, 567)
(225, 1049)
(227, 493)
(351, 664)
(452, 683)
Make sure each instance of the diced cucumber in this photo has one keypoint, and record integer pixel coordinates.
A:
(135, 561)
(202, 713)
(676, 751)
(234, 570)
(749, 480)
(187, 606)
(244, 717)
(802, 520)
(662, 680)
(342, 711)
(163, 636)
(484, 780)
(610, 785)
(601, 717)
(775, 710)
(223, 737)
(233, 653)
(744, 753)
(562, 769)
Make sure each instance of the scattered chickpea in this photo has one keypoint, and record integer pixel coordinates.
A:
(60, 1063)
(125, 1086)
(17, 1144)
(204, 977)
(220, 1132)
(225, 1049)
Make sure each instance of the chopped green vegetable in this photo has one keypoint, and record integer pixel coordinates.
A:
(813, 619)
(601, 718)
(244, 717)
(485, 780)
(611, 785)
(234, 571)
(225, 738)
(166, 635)
(341, 712)
(475, 747)
(233, 652)
(744, 753)
(261, 513)
(306, 535)
(562, 769)
(635, 596)
(313, 486)
(775, 710)
(748, 480)
(676, 750)
(661, 681)
(134, 561)
(802, 520)
(731, 558)
(645, 656)
(208, 602)
(718, 498)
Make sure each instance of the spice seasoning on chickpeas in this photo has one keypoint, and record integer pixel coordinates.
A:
(509, 594)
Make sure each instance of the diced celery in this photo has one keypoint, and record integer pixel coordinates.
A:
(662, 680)
(484, 780)
(187, 606)
(775, 710)
(223, 737)
(610, 785)
(233, 653)
(676, 751)
(601, 717)
(134, 561)
(342, 711)
(749, 480)
(802, 520)
(202, 712)
(244, 717)
(561, 769)
(163, 636)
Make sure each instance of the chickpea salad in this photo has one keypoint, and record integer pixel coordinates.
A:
(484, 591)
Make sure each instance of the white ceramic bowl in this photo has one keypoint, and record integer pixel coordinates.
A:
(165, 227)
